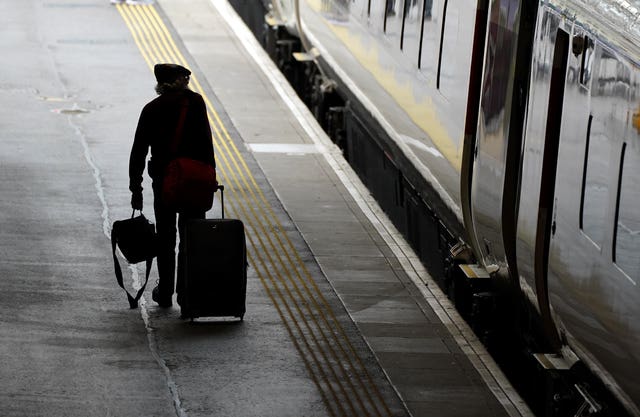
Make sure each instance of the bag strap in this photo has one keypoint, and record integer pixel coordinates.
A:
(133, 301)
(173, 146)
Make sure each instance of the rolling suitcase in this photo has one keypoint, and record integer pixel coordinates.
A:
(216, 267)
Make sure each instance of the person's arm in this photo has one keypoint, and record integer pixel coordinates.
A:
(205, 131)
(137, 161)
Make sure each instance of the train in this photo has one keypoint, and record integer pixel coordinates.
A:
(498, 134)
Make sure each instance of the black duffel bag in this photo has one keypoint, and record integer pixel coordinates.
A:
(137, 240)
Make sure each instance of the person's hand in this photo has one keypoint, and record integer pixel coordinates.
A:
(136, 200)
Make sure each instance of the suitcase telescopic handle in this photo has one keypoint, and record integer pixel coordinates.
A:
(221, 188)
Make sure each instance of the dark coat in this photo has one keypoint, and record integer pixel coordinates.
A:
(157, 128)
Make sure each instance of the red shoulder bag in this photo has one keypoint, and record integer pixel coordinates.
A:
(188, 184)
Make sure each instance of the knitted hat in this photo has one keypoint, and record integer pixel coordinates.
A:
(168, 73)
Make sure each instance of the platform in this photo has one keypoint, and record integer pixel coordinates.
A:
(341, 318)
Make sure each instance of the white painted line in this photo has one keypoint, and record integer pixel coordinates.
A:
(284, 148)
(438, 301)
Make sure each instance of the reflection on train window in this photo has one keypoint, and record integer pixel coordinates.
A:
(376, 14)
(614, 77)
(361, 9)
(627, 244)
(411, 29)
(448, 78)
(426, 8)
(394, 21)
(431, 30)
(596, 192)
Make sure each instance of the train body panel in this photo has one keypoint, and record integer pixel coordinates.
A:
(595, 304)
(438, 114)
(553, 159)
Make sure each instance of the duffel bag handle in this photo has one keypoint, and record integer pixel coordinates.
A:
(133, 301)
(221, 188)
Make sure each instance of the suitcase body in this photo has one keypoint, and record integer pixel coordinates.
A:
(215, 269)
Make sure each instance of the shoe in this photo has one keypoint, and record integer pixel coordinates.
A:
(139, 2)
(162, 302)
(117, 1)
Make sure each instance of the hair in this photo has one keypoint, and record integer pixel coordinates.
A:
(175, 85)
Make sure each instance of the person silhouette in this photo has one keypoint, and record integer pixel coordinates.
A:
(176, 105)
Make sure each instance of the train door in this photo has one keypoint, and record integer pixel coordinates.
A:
(548, 117)
(496, 151)
(545, 223)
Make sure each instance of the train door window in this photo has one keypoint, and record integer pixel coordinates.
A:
(595, 182)
(627, 233)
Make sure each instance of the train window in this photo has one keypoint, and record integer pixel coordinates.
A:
(427, 3)
(430, 36)
(394, 21)
(587, 60)
(376, 15)
(393, 14)
(444, 24)
(596, 191)
(411, 30)
(582, 47)
(360, 9)
(453, 41)
(404, 21)
(584, 171)
(627, 231)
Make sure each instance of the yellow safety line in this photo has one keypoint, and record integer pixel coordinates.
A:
(164, 47)
(136, 38)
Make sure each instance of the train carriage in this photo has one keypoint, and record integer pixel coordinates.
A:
(510, 128)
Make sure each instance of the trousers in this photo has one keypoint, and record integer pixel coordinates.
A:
(166, 231)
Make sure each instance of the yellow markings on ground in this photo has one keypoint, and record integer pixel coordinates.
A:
(423, 113)
(331, 359)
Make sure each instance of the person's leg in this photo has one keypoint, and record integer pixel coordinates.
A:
(166, 259)
(182, 221)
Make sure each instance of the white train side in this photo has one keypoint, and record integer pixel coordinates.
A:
(517, 124)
